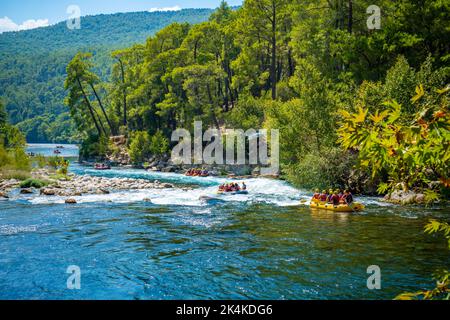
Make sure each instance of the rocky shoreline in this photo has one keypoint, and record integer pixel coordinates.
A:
(75, 185)
(405, 197)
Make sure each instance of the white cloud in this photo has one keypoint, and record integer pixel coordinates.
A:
(175, 8)
(6, 24)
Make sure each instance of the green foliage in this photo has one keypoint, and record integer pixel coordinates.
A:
(94, 146)
(11, 173)
(59, 164)
(412, 154)
(53, 161)
(63, 167)
(140, 146)
(33, 183)
(10, 136)
(39, 160)
(330, 168)
(33, 62)
(159, 144)
(304, 68)
(15, 159)
(442, 277)
(247, 114)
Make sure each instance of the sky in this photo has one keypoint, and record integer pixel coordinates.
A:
(28, 14)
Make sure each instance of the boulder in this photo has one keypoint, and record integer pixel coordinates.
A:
(48, 192)
(405, 197)
(168, 169)
(167, 185)
(71, 201)
(3, 195)
(26, 191)
(104, 191)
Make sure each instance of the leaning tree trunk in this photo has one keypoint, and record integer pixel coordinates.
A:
(89, 107)
(103, 109)
(124, 92)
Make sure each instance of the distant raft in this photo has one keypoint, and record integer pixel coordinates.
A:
(354, 206)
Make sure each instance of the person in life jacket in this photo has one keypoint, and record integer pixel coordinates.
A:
(323, 196)
(330, 194)
(316, 195)
(334, 198)
(347, 197)
(244, 186)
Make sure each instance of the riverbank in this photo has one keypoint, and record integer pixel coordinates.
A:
(76, 185)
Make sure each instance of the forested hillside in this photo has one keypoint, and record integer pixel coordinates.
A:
(356, 107)
(33, 64)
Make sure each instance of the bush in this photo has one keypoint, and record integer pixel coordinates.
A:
(33, 183)
(39, 160)
(53, 161)
(21, 159)
(248, 113)
(8, 173)
(14, 164)
(330, 168)
(94, 147)
(159, 144)
(140, 146)
(63, 167)
(412, 154)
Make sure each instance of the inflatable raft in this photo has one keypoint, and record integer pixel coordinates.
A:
(233, 192)
(354, 206)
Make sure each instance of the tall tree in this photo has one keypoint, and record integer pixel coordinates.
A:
(261, 23)
(77, 99)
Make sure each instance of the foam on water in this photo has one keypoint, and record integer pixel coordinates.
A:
(261, 190)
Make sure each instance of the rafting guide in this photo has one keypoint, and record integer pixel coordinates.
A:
(235, 140)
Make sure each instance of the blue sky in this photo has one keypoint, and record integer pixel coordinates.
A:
(27, 14)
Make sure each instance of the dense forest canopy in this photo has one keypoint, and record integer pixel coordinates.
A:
(314, 69)
(33, 64)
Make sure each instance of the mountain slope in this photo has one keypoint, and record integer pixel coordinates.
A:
(33, 62)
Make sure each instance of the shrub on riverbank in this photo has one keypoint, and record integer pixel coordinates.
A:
(14, 164)
(93, 147)
(414, 154)
(33, 183)
(140, 146)
(159, 144)
(330, 168)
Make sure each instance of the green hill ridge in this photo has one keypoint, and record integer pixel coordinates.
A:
(33, 63)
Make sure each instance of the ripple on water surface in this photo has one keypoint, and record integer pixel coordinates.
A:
(261, 246)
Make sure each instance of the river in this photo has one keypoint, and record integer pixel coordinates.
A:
(264, 245)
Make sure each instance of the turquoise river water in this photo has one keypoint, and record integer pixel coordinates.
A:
(263, 245)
